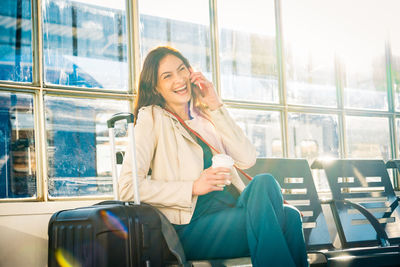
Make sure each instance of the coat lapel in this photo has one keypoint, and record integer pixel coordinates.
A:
(180, 128)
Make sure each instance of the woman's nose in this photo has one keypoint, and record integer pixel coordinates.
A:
(180, 78)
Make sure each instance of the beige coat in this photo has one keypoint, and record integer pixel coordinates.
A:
(176, 160)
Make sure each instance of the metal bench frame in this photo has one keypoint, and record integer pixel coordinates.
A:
(295, 178)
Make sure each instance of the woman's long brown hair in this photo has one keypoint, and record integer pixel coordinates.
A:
(147, 92)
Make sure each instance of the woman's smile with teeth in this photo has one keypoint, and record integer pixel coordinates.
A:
(181, 90)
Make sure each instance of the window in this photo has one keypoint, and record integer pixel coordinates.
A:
(184, 25)
(15, 41)
(248, 58)
(78, 145)
(263, 128)
(84, 43)
(312, 136)
(17, 146)
(395, 59)
(365, 81)
(309, 52)
(368, 137)
(361, 48)
(397, 121)
(299, 81)
(396, 72)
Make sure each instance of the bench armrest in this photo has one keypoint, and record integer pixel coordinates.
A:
(383, 238)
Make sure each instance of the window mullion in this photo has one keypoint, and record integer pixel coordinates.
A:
(214, 36)
(132, 21)
(340, 106)
(392, 109)
(37, 44)
(37, 73)
(281, 78)
(391, 103)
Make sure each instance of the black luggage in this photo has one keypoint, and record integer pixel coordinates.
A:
(111, 233)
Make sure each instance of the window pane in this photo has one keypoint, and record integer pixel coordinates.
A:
(84, 43)
(17, 146)
(367, 137)
(77, 145)
(365, 82)
(184, 25)
(361, 47)
(395, 49)
(398, 135)
(248, 59)
(15, 40)
(262, 128)
(309, 52)
(312, 136)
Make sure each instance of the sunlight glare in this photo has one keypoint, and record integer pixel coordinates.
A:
(179, 10)
(65, 259)
(114, 223)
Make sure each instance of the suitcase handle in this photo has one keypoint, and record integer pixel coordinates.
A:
(110, 124)
(120, 116)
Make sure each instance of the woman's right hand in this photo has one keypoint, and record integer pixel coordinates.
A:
(210, 179)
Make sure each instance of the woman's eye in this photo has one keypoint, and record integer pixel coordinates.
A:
(166, 76)
(183, 68)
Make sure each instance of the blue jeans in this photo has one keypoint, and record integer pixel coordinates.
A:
(258, 225)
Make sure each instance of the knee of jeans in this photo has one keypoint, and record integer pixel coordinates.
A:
(265, 179)
(293, 214)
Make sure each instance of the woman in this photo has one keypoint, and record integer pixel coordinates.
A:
(211, 221)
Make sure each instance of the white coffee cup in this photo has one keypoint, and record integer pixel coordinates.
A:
(222, 160)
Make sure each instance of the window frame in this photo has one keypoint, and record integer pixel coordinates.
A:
(39, 89)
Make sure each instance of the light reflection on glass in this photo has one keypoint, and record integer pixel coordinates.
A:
(309, 53)
(84, 43)
(78, 147)
(16, 40)
(392, 18)
(398, 135)
(181, 24)
(114, 223)
(262, 128)
(247, 46)
(367, 137)
(17, 146)
(316, 41)
(360, 45)
(365, 78)
(65, 259)
(312, 136)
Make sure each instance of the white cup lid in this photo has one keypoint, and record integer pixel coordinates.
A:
(222, 160)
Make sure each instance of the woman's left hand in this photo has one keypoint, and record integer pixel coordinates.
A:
(206, 89)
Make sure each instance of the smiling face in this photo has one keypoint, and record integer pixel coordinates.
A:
(173, 83)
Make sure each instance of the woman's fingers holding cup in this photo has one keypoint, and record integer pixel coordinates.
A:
(217, 175)
(213, 179)
(223, 177)
(207, 182)
(221, 170)
(228, 180)
(220, 179)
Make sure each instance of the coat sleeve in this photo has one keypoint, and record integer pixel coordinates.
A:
(158, 193)
(235, 142)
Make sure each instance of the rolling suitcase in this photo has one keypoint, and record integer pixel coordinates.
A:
(114, 233)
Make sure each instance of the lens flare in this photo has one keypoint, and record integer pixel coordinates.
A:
(114, 223)
(65, 259)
